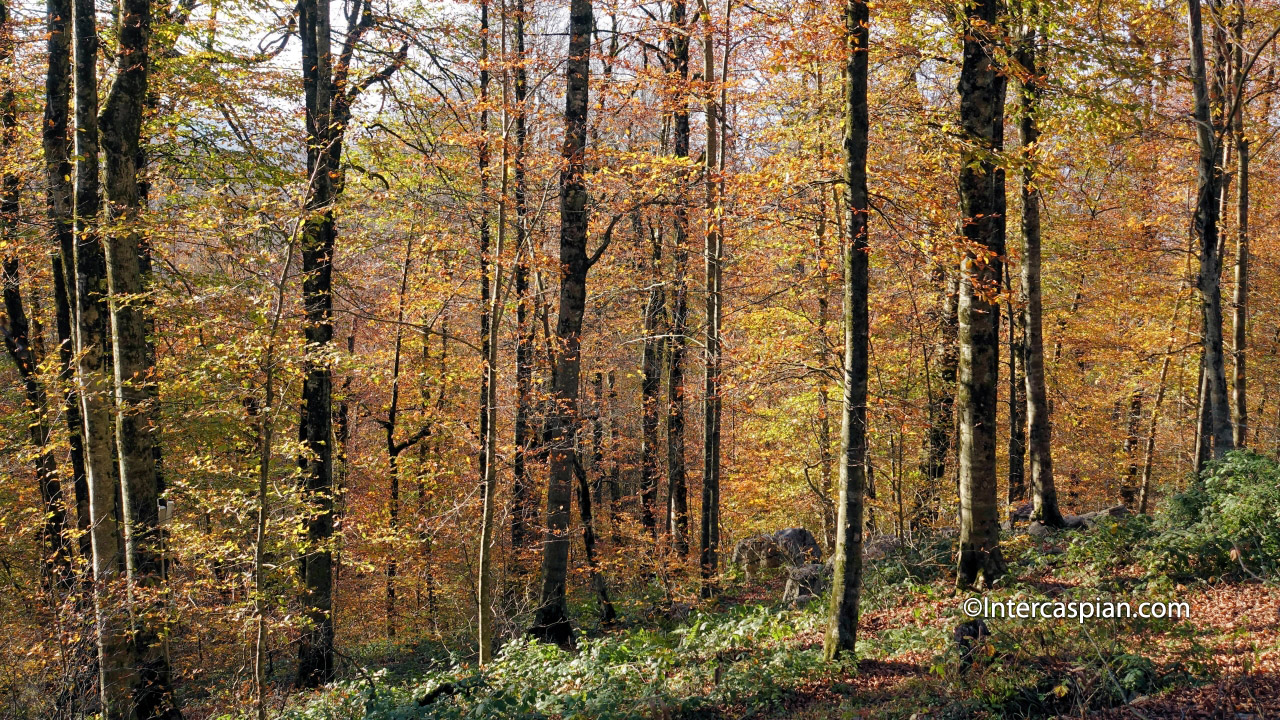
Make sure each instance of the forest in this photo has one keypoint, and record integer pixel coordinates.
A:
(643, 359)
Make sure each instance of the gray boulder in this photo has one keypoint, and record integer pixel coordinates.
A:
(1089, 519)
(755, 552)
(798, 546)
(805, 580)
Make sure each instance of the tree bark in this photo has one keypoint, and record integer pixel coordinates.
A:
(19, 342)
(709, 544)
(59, 208)
(315, 646)
(846, 587)
(1206, 229)
(938, 439)
(93, 379)
(1129, 481)
(150, 686)
(1017, 407)
(982, 204)
(1240, 295)
(1044, 495)
(522, 507)
(551, 622)
(650, 386)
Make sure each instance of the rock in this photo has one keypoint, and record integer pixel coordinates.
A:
(1022, 513)
(798, 546)
(1089, 519)
(878, 548)
(1038, 529)
(967, 635)
(802, 600)
(808, 579)
(753, 552)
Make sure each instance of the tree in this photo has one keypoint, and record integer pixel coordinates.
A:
(846, 585)
(93, 378)
(1044, 496)
(713, 252)
(982, 213)
(328, 98)
(551, 622)
(1205, 223)
(677, 487)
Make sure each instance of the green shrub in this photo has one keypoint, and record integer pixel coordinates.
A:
(1226, 523)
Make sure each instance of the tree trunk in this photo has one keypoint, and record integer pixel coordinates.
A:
(315, 646)
(1017, 408)
(650, 385)
(677, 486)
(1240, 296)
(1206, 230)
(846, 587)
(93, 379)
(982, 204)
(19, 343)
(712, 253)
(1044, 495)
(551, 623)
(826, 462)
(58, 172)
(1129, 481)
(938, 439)
(598, 583)
(522, 509)
(150, 687)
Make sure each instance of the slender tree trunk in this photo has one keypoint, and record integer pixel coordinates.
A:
(938, 439)
(315, 646)
(552, 621)
(615, 466)
(1240, 296)
(93, 379)
(1017, 408)
(1039, 428)
(846, 587)
(598, 583)
(58, 172)
(650, 386)
(1206, 229)
(712, 254)
(1129, 481)
(677, 485)
(394, 449)
(826, 462)
(982, 202)
(20, 344)
(522, 509)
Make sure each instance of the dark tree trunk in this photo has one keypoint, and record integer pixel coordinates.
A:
(150, 686)
(1039, 429)
(650, 386)
(523, 509)
(1017, 409)
(709, 541)
(982, 211)
(1129, 480)
(58, 172)
(846, 587)
(598, 583)
(1209, 283)
(938, 438)
(315, 646)
(551, 623)
(677, 470)
(93, 378)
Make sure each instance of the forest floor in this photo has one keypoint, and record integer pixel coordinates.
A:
(748, 656)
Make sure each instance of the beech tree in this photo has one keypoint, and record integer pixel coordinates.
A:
(982, 219)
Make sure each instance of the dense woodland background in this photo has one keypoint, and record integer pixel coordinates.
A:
(361, 335)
